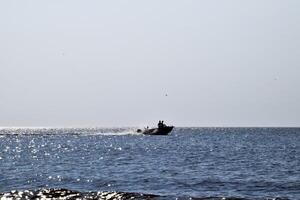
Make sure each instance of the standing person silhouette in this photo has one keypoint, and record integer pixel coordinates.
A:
(159, 124)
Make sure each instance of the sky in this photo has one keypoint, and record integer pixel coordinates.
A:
(67, 63)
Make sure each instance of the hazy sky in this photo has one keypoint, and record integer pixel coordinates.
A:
(111, 63)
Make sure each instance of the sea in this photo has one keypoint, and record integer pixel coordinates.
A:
(118, 163)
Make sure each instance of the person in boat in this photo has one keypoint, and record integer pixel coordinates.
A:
(161, 124)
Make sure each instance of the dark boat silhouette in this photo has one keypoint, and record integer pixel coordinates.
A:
(163, 130)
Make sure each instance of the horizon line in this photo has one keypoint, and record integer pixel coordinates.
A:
(92, 127)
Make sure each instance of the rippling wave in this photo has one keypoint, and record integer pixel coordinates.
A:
(69, 194)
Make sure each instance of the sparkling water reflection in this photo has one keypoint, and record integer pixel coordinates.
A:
(199, 162)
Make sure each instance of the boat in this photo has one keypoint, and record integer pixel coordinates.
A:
(161, 130)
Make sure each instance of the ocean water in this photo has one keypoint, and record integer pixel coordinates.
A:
(245, 163)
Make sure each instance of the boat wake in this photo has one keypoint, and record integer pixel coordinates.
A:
(69, 131)
(129, 131)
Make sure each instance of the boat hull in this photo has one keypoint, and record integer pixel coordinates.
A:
(158, 131)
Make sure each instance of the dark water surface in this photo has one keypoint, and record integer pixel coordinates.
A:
(250, 163)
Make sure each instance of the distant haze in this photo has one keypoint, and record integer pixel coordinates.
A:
(132, 63)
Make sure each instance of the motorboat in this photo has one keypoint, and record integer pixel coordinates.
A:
(162, 130)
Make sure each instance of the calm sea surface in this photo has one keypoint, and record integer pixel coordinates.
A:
(250, 163)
